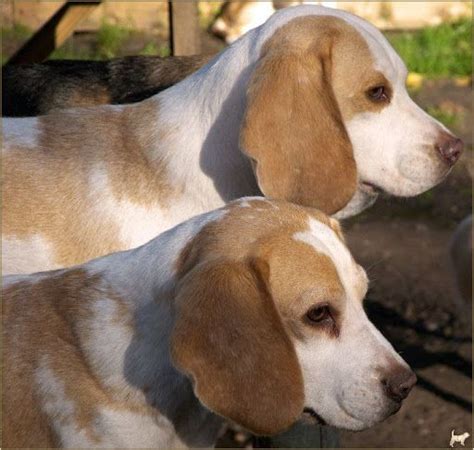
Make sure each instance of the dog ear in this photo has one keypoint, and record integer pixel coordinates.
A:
(293, 130)
(230, 340)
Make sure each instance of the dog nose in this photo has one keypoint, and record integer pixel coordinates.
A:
(399, 383)
(450, 148)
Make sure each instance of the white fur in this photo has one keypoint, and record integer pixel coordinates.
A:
(409, 164)
(29, 254)
(109, 429)
(59, 409)
(346, 391)
(137, 224)
(395, 148)
(22, 132)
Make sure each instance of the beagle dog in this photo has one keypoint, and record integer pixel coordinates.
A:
(311, 108)
(236, 18)
(36, 89)
(251, 313)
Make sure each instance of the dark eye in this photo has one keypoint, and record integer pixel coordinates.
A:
(378, 94)
(318, 314)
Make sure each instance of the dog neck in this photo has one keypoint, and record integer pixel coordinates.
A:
(131, 328)
(198, 129)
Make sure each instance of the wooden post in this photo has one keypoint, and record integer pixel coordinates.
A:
(184, 28)
(54, 32)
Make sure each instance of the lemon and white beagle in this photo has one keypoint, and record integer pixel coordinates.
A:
(251, 313)
(311, 107)
(237, 18)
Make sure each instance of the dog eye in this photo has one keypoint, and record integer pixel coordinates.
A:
(378, 94)
(319, 314)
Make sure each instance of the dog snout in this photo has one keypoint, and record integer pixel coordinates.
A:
(450, 148)
(219, 29)
(398, 383)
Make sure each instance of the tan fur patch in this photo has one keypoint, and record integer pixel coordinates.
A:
(44, 321)
(51, 195)
(77, 98)
(246, 224)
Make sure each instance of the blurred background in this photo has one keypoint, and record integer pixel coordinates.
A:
(405, 244)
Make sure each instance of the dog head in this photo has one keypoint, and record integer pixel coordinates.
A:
(236, 18)
(270, 321)
(329, 122)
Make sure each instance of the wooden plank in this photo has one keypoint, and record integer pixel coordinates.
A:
(184, 28)
(54, 32)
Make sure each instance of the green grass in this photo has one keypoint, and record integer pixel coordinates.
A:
(12, 37)
(17, 31)
(153, 49)
(441, 51)
(68, 51)
(109, 39)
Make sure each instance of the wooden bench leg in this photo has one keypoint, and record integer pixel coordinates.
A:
(185, 39)
(54, 32)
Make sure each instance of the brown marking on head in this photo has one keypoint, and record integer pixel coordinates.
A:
(231, 11)
(314, 278)
(302, 91)
(102, 145)
(246, 222)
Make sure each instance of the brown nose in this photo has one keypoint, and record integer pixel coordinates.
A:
(450, 148)
(399, 383)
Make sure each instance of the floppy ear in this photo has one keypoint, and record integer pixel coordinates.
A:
(294, 133)
(230, 340)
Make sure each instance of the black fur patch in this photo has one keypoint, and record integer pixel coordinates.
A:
(36, 89)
